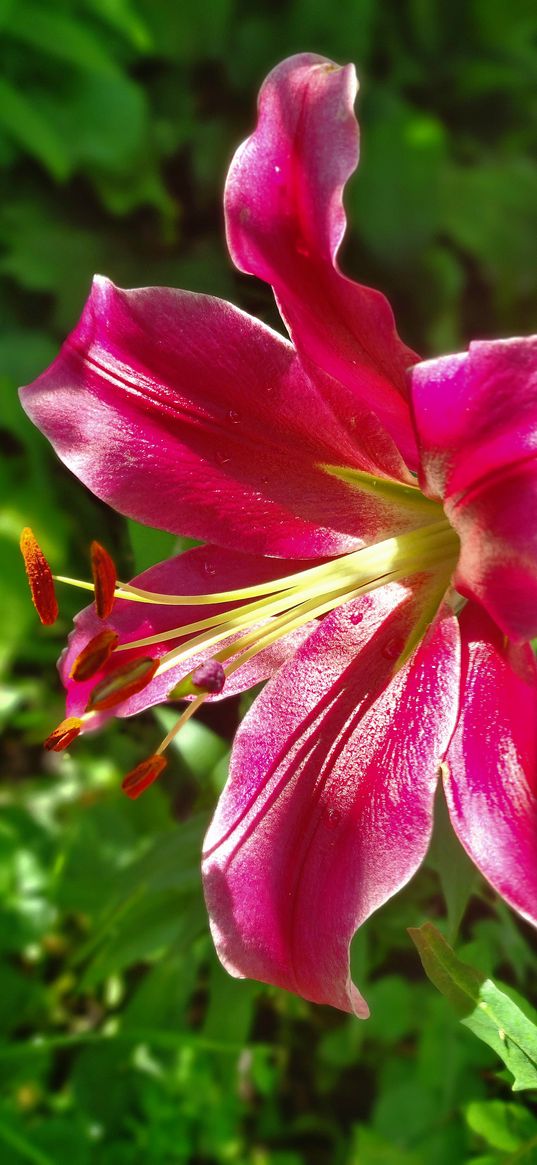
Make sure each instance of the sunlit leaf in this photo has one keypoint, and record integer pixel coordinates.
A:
(480, 1005)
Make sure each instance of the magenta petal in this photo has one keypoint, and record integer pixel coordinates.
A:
(183, 412)
(476, 417)
(328, 807)
(285, 222)
(491, 779)
(198, 571)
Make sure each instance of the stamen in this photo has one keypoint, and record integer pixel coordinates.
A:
(140, 778)
(188, 712)
(39, 577)
(104, 579)
(124, 682)
(357, 563)
(94, 655)
(344, 579)
(300, 599)
(62, 736)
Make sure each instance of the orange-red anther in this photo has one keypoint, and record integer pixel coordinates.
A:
(104, 574)
(63, 735)
(39, 577)
(94, 655)
(122, 683)
(140, 778)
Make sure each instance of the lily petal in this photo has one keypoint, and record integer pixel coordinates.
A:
(491, 764)
(185, 413)
(476, 417)
(285, 221)
(197, 571)
(328, 807)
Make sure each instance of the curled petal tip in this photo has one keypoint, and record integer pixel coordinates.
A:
(39, 577)
(140, 778)
(104, 574)
(62, 736)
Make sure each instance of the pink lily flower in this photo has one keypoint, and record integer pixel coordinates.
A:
(371, 551)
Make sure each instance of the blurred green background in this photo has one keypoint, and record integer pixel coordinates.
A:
(123, 1042)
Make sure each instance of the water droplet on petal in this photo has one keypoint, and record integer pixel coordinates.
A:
(333, 816)
(393, 648)
(209, 568)
(233, 416)
(301, 248)
(222, 458)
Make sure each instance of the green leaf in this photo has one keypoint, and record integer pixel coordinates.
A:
(120, 15)
(456, 872)
(503, 1126)
(60, 37)
(184, 32)
(480, 1005)
(490, 212)
(151, 546)
(395, 199)
(21, 119)
(23, 1147)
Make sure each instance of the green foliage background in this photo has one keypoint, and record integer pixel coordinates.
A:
(123, 1040)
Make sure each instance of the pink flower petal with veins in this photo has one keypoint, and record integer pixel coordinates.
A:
(491, 780)
(328, 808)
(185, 413)
(285, 222)
(476, 418)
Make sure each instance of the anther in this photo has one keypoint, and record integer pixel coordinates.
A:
(121, 684)
(141, 777)
(63, 735)
(209, 677)
(104, 579)
(39, 577)
(94, 655)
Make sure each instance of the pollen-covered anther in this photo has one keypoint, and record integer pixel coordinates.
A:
(94, 655)
(62, 736)
(122, 683)
(39, 577)
(104, 574)
(141, 777)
